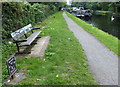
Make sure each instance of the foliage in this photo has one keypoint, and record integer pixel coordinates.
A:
(107, 6)
(7, 49)
(19, 14)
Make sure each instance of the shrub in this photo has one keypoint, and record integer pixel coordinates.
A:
(19, 14)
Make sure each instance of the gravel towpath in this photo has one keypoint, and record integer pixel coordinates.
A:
(103, 63)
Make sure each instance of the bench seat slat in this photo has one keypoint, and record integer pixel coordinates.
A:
(31, 38)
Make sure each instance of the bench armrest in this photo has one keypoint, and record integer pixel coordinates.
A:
(35, 28)
(19, 41)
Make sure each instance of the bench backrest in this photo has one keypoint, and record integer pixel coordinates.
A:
(17, 34)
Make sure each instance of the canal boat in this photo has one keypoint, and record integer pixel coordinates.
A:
(79, 14)
(83, 13)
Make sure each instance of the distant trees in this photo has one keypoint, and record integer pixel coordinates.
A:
(107, 6)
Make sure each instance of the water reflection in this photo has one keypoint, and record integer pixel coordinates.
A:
(107, 23)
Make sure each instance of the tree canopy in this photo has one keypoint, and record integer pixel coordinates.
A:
(106, 6)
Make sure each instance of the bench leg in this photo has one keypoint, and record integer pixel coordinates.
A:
(21, 52)
(38, 36)
(18, 48)
(34, 43)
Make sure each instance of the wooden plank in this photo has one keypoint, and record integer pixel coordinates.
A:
(31, 38)
(17, 34)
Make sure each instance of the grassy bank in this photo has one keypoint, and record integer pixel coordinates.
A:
(110, 41)
(65, 62)
(99, 11)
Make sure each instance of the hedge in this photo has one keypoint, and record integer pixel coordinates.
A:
(19, 14)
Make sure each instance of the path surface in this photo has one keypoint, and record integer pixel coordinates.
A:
(103, 62)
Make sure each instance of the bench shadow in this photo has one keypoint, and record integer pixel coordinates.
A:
(25, 51)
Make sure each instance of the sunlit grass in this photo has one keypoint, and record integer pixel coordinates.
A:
(108, 40)
(99, 11)
(65, 61)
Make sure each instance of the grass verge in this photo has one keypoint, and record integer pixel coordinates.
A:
(65, 62)
(99, 11)
(108, 40)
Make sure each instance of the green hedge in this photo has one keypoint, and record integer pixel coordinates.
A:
(19, 14)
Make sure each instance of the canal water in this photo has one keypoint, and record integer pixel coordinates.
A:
(107, 23)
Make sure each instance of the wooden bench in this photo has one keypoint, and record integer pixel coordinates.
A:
(23, 32)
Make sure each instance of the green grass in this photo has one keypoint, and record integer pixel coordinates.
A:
(0, 70)
(7, 50)
(108, 40)
(99, 11)
(65, 62)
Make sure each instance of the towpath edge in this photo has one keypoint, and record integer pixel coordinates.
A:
(103, 63)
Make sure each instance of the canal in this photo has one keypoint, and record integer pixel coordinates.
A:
(107, 23)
